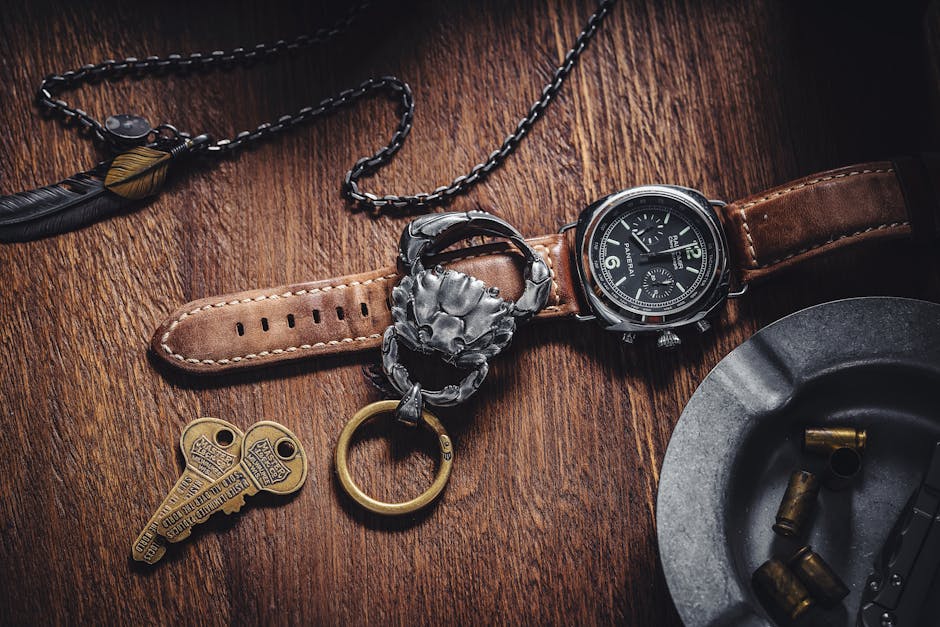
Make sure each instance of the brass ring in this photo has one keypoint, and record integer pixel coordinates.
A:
(368, 412)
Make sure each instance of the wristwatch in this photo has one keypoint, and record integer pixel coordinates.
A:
(650, 259)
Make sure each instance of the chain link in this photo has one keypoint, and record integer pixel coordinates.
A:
(49, 89)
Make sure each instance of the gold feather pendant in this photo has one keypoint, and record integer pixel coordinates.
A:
(138, 173)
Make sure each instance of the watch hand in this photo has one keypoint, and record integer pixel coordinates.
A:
(672, 250)
(640, 242)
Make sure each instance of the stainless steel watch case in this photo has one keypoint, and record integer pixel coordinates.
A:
(617, 319)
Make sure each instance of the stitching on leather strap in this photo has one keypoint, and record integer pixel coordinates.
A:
(164, 340)
(547, 256)
(793, 188)
(750, 240)
(276, 351)
(880, 227)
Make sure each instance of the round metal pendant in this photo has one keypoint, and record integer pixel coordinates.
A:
(128, 128)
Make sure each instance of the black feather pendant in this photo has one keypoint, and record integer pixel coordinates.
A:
(87, 197)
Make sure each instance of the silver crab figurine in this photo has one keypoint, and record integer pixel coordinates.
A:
(453, 315)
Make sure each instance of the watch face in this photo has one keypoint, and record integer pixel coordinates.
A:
(653, 257)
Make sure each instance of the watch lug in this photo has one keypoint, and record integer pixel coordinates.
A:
(567, 227)
(581, 318)
(741, 291)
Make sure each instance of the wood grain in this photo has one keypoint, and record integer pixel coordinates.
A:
(549, 517)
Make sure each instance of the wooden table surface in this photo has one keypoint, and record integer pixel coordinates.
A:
(550, 513)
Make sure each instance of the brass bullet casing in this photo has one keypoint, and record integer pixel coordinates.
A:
(826, 440)
(797, 505)
(818, 577)
(844, 465)
(782, 589)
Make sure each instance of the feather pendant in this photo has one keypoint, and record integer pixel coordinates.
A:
(87, 197)
(138, 173)
(57, 208)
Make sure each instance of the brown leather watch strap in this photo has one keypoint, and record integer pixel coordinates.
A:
(814, 215)
(346, 314)
(766, 232)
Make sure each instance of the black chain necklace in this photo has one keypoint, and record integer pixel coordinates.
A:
(145, 153)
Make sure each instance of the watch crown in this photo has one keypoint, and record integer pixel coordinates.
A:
(667, 340)
(628, 338)
(703, 326)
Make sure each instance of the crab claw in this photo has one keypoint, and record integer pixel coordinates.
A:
(470, 361)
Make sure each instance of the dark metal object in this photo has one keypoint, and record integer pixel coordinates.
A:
(819, 578)
(871, 362)
(827, 439)
(411, 406)
(797, 506)
(125, 129)
(781, 588)
(454, 316)
(430, 234)
(451, 314)
(844, 465)
(896, 593)
(53, 85)
(112, 70)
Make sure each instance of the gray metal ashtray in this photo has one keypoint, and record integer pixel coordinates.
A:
(872, 363)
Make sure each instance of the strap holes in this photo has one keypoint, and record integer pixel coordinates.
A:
(290, 320)
(240, 328)
(364, 309)
(264, 324)
(340, 314)
(316, 316)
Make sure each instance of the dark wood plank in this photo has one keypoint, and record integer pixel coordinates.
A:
(550, 513)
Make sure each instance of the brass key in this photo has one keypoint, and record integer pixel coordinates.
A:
(210, 448)
(272, 461)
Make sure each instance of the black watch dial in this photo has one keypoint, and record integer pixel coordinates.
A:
(653, 256)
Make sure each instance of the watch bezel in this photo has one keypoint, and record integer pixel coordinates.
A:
(614, 316)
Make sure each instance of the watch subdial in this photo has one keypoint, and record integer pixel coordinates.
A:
(658, 283)
(648, 227)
